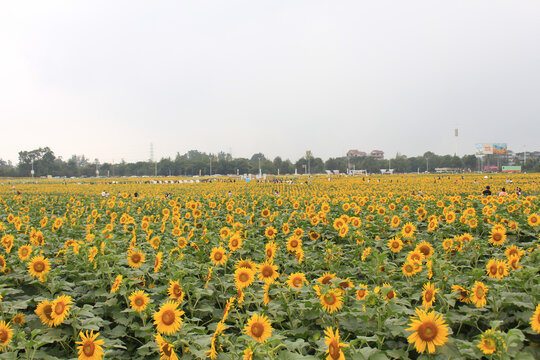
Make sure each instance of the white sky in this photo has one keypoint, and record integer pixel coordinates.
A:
(107, 78)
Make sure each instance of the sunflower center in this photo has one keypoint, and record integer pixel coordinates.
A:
(139, 301)
(390, 294)
(136, 258)
(428, 331)
(333, 350)
(59, 308)
(330, 299)
(3, 336)
(243, 277)
(428, 296)
(166, 350)
(267, 271)
(501, 270)
(39, 266)
(269, 253)
(88, 348)
(294, 243)
(497, 237)
(297, 282)
(395, 244)
(480, 293)
(168, 317)
(424, 250)
(234, 243)
(361, 293)
(218, 256)
(493, 269)
(177, 291)
(326, 279)
(257, 329)
(47, 311)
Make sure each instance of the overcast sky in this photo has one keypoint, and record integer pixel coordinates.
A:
(107, 78)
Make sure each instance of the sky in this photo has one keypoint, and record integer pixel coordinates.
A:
(106, 79)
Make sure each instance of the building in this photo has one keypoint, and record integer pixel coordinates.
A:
(377, 154)
(355, 153)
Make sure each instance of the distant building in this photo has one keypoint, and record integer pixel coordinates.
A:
(377, 154)
(355, 153)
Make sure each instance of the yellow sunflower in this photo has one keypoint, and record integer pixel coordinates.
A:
(44, 312)
(463, 293)
(429, 331)
(116, 284)
(293, 244)
(243, 277)
(362, 292)
(267, 272)
(296, 280)
(395, 244)
(498, 236)
(488, 342)
(139, 300)
(533, 220)
(168, 319)
(326, 278)
(535, 319)
(331, 340)
(218, 256)
(270, 250)
(428, 295)
(235, 242)
(331, 301)
(38, 267)
(90, 348)
(6, 332)
(166, 350)
(158, 262)
(135, 258)
(408, 230)
(24, 252)
(478, 294)
(259, 328)
(175, 291)
(425, 248)
(60, 309)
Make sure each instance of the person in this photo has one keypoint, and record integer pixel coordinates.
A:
(518, 191)
(503, 192)
(487, 191)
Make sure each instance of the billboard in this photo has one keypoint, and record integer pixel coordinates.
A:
(490, 148)
(499, 148)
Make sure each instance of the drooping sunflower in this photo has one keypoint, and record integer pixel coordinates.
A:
(243, 277)
(428, 295)
(218, 256)
(331, 301)
(270, 250)
(267, 272)
(166, 350)
(116, 284)
(175, 291)
(43, 311)
(168, 319)
(326, 278)
(331, 340)
(90, 348)
(535, 319)
(463, 293)
(38, 267)
(24, 252)
(478, 294)
(158, 262)
(296, 280)
(6, 332)
(395, 244)
(408, 230)
(60, 309)
(135, 258)
(259, 328)
(429, 331)
(139, 300)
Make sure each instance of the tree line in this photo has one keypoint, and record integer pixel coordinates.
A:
(44, 162)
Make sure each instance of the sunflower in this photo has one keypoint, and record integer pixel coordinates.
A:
(235, 242)
(135, 258)
(154, 243)
(90, 348)
(116, 284)
(428, 295)
(18, 319)
(535, 319)
(270, 232)
(388, 292)
(512, 251)
(296, 280)
(38, 267)
(267, 272)
(181, 242)
(2, 262)
(415, 257)
(331, 301)
(166, 350)
(502, 269)
(488, 342)
(270, 250)
(24, 252)
(258, 327)
(395, 221)
(326, 278)
(60, 309)
(175, 291)
(224, 232)
(409, 268)
(343, 230)
(6, 332)
(245, 263)
(243, 277)
(533, 220)
(395, 244)
(492, 269)
(158, 262)
(44, 312)
(463, 293)
(498, 236)
(513, 262)
(168, 319)
(334, 346)
(478, 294)
(139, 300)
(429, 330)
(293, 244)
(425, 248)
(362, 292)
(408, 230)
(218, 255)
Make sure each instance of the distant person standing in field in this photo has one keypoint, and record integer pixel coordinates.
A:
(487, 191)
(503, 192)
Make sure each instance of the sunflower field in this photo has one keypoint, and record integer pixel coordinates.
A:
(379, 267)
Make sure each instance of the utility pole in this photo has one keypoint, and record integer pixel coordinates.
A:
(260, 172)
(32, 171)
(210, 165)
